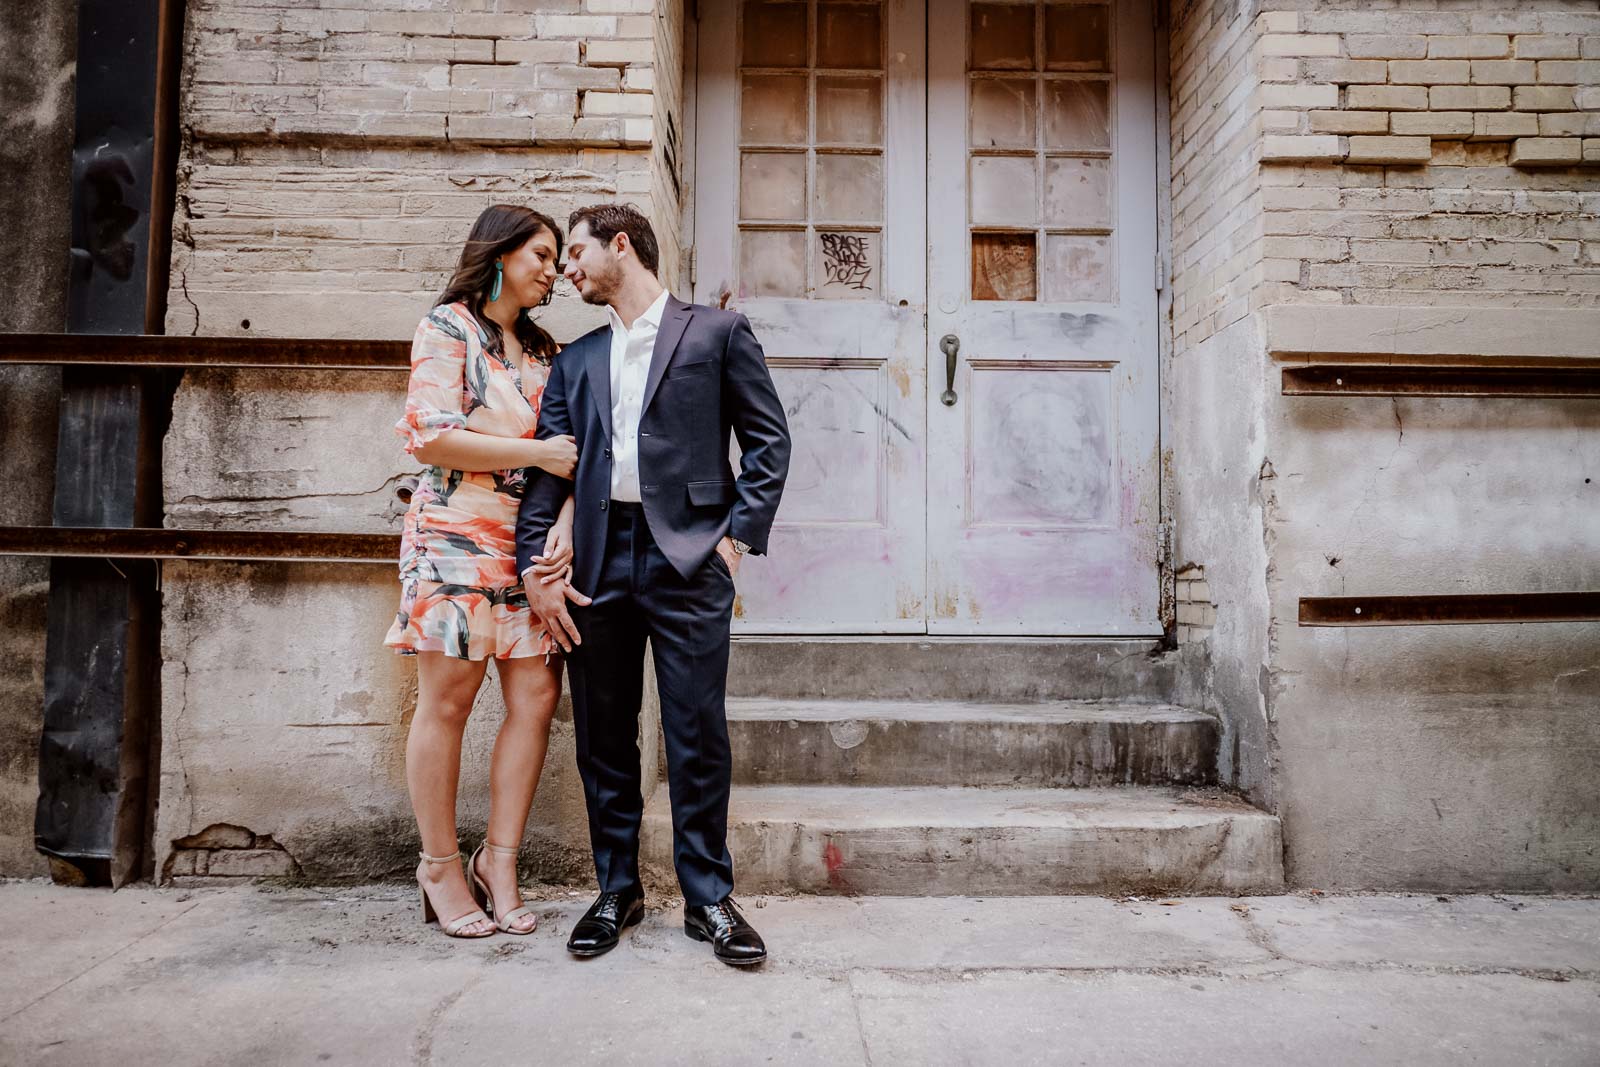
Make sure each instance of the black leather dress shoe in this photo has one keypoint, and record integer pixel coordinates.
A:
(734, 940)
(601, 926)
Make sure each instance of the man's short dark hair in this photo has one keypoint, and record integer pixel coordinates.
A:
(607, 220)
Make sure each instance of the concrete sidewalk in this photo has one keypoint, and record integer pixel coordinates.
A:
(297, 976)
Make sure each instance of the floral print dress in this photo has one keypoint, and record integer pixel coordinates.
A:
(459, 591)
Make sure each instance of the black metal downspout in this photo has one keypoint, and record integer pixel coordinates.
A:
(96, 773)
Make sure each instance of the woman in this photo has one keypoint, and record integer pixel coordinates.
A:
(478, 368)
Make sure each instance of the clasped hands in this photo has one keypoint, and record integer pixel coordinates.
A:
(549, 584)
(549, 587)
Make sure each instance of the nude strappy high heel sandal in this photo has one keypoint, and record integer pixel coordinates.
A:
(456, 925)
(486, 898)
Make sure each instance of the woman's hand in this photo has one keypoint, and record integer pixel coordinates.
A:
(556, 563)
(559, 456)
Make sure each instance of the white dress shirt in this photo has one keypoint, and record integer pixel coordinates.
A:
(631, 350)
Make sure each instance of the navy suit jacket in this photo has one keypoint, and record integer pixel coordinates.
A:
(708, 378)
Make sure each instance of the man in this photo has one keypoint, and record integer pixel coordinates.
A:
(660, 526)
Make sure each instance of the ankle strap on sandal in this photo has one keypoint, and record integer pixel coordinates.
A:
(504, 850)
(440, 859)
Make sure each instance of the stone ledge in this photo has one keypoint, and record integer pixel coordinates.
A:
(1304, 333)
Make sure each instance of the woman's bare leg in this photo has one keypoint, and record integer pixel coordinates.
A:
(531, 689)
(446, 688)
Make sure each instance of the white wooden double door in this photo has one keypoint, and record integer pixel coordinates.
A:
(941, 221)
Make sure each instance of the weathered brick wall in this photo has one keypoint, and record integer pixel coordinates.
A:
(348, 241)
(1216, 184)
(664, 80)
(1384, 85)
(1196, 614)
(1431, 157)
(529, 71)
(1395, 153)
(335, 156)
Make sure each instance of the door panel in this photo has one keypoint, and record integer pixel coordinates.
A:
(1043, 450)
(810, 217)
(865, 190)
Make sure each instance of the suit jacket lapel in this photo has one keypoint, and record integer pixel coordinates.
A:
(674, 320)
(598, 365)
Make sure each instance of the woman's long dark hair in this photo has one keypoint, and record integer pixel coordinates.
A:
(502, 228)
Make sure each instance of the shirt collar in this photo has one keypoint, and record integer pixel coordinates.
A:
(651, 314)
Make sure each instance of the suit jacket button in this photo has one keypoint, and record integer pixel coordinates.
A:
(602, 505)
(608, 453)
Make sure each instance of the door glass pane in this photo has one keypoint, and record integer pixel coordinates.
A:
(772, 263)
(1077, 114)
(1040, 146)
(849, 188)
(772, 109)
(846, 264)
(814, 159)
(1002, 37)
(772, 185)
(849, 110)
(1004, 113)
(1077, 193)
(1004, 191)
(849, 36)
(1077, 37)
(775, 34)
(1003, 266)
(1077, 268)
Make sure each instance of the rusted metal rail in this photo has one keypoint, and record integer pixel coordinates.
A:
(152, 350)
(221, 545)
(1458, 609)
(1366, 379)
(324, 354)
(156, 351)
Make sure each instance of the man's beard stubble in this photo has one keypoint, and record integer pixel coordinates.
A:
(602, 288)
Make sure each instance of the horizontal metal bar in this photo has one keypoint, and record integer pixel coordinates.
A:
(1366, 379)
(236, 545)
(152, 350)
(1454, 609)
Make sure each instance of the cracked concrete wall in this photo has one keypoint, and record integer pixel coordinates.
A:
(1219, 375)
(38, 49)
(1439, 757)
(1223, 493)
(282, 713)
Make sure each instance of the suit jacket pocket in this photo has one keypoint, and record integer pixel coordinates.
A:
(697, 366)
(709, 494)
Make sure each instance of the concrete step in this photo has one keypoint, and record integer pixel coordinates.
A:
(999, 670)
(908, 743)
(956, 841)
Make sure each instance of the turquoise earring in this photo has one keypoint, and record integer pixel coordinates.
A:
(494, 291)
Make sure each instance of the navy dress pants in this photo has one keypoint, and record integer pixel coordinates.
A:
(640, 596)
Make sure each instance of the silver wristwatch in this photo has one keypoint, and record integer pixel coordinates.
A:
(739, 546)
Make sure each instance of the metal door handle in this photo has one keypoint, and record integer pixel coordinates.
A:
(950, 345)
